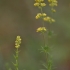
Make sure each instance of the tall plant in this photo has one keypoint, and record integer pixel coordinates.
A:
(43, 30)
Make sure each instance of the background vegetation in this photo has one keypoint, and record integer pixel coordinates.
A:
(17, 18)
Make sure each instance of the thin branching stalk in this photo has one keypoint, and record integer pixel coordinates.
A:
(43, 16)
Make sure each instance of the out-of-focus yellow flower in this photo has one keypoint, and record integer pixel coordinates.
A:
(49, 0)
(44, 14)
(52, 3)
(36, 4)
(53, 10)
(46, 18)
(38, 15)
(17, 42)
(41, 29)
(39, 3)
(39, 0)
(43, 4)
(52, 20)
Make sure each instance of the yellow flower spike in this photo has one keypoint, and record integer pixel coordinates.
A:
(17, 42)
(41, 29)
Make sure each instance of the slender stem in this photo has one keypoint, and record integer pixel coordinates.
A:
(44, 39)
(43, 26)
(17, 59)
(42, 13)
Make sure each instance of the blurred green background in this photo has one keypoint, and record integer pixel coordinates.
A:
(17, 17)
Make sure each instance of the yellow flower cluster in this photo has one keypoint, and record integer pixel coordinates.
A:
(52, 4)
(45, 17)
(39, 15)
(48, 19)
(41, 29)
(17, 42)
(39, 3)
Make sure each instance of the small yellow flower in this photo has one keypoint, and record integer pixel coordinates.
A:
(44, 14)
(18, 38)
(56, 4)
(55, 1)
(38, 15)
(17, 42)
(41, 29)
(52, 3)
(49, 0)
(53, 10)
(52, 20)
(39, 3)
(42, 0)
(46, 18)
(36, 4)
(43, 4)
(39, 0)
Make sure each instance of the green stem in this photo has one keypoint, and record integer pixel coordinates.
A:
(43, 26)
(48, 56)
(16, 67)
